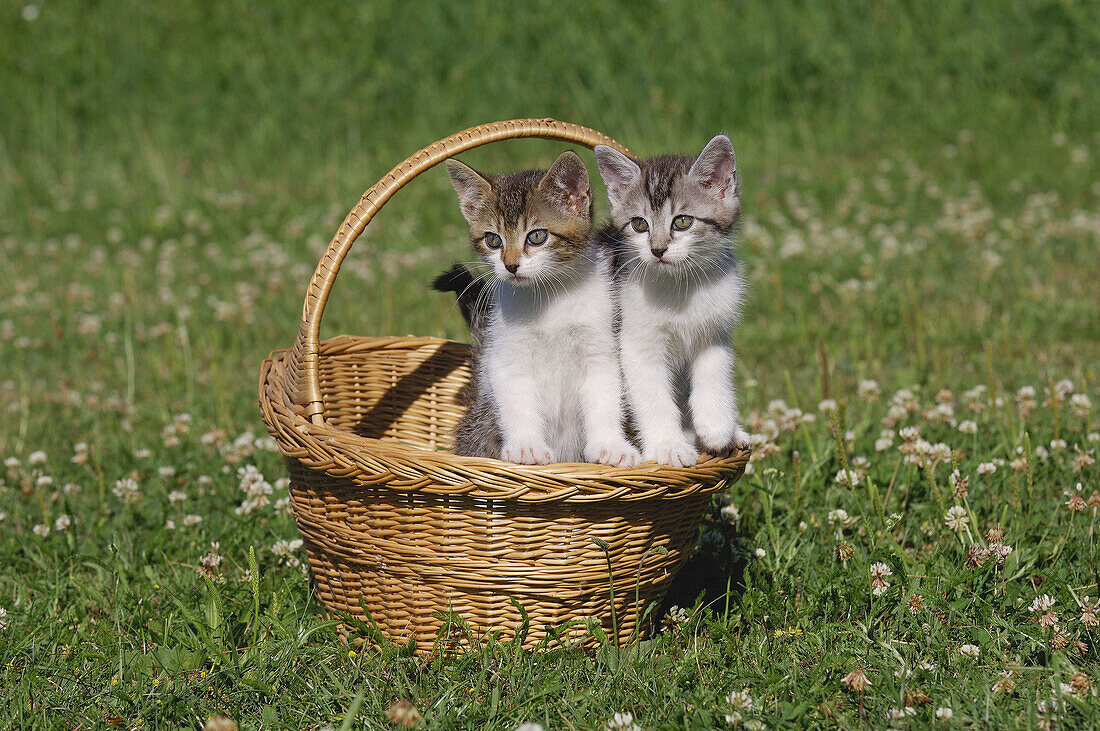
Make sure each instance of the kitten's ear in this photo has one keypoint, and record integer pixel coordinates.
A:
(716, 167)
(618, 171)
(471, 186)
(566, 183)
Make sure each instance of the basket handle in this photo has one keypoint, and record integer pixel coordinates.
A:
(305, 389)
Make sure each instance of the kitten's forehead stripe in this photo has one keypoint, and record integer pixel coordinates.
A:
(661, 175)
(513, 191)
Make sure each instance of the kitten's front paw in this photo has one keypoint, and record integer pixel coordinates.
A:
(527, 452)
(741, 438)
(724, 445)
(674, 453)
(612, 452)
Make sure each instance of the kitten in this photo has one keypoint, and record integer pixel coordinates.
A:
(679, 292)
(547, 386)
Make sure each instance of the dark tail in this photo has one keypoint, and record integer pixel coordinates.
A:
(469, 292)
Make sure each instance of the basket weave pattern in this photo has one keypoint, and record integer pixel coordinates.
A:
(394, 522)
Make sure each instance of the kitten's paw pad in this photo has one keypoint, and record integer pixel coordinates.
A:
(527, 453)
(613, 454)
(676, 454)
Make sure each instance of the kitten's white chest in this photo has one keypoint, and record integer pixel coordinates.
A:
(683, 314)
(547, 349)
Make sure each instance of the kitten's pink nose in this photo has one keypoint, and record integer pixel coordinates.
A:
(659, 252)
(513, 268)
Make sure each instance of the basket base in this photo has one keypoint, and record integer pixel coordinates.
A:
(412, 564)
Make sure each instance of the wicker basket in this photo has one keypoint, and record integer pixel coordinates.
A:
(394, 523)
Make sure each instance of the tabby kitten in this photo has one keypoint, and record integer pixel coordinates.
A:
(679, 291)
(547, 386)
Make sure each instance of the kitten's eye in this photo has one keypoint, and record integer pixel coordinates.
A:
(682, 222)
(537, 237)
(639, 224)
(492, 240)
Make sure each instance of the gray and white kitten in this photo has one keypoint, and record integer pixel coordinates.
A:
(679, 291)
(547, 386)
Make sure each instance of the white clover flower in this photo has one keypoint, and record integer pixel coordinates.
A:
(899, 714)
(3, 618)
(30, 12)
(1042, 603)
(944, 713)
(969, 650)
(827, 406)
(940, 452)
(734, 717)
(530, 727)
(755, 724)
(729, 513)
(739, 699)
(177, 496)
(127, 490)
(760, 553)
(623, 722)
(868, 389)
(1063, 388)
(11, 462)
(169, 524)
(285, 548)
(909, 433)
(71, 488)
(256, 489)
(41, 529)
(879, 570)
(62, 523)
(191, 520)
(142, 454)
(839, 515)
(166, 470)
(968, 427)
(37, 457)
(212, 559)
(987, 468)
(674, 617)
(847, 477)
(956, 517)
(879, 573)
(44, 481)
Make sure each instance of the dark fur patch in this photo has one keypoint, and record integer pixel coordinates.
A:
(473, 299)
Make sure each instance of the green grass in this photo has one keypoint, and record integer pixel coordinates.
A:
(921, 187)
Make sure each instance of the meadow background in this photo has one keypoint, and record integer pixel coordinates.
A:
(922, 240)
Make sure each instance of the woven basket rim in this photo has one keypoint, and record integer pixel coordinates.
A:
(408, 469)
